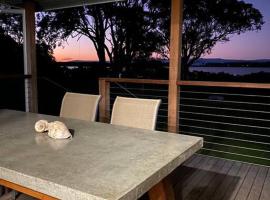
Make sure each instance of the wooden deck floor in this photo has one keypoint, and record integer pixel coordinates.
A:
(208, 178)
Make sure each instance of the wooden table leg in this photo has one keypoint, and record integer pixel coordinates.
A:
(162, 191)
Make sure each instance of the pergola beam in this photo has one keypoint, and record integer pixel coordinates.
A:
(175, 64)
(47, 5)
(60, 4)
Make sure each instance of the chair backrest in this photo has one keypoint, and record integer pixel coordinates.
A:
(136, 113)
(80, 106)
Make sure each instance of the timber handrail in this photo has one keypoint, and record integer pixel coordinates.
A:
(225, 84)
(104, 91)
(105, 84)
(191, 83)
(135, 80)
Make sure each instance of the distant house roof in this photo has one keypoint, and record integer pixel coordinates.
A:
(56, 4)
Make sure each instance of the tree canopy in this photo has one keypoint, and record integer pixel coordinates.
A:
(11, 46)
(135, 29)
(11, 55)
(123, 31)
(208, 22)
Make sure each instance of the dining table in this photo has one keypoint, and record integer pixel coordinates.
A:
(100, 162)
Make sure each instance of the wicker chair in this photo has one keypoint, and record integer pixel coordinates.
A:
(80, 106)
(135, 112)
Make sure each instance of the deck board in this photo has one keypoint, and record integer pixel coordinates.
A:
(203, 183)
(181, 172)
(216, 179)
(265, 195)
(226, 181)
(248, 183)
(257, 187)
(189, 183)
(209, 178)
(236, 184)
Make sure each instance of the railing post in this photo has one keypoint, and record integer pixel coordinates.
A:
(175, 64)
(104, 105)
(30, 65)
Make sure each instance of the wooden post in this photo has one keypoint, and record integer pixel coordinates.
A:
(175, 64)
(104, 105)
(30, 65)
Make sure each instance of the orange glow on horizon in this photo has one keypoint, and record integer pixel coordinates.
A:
(66, 56)
(74, 49)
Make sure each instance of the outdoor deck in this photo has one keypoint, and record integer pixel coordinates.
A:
(206, 178)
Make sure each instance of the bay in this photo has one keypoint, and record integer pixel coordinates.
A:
(231, 70)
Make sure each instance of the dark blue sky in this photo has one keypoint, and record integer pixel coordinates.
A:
(250, 45)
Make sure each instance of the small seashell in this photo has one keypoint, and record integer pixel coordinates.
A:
(41, 126)
(58, 130)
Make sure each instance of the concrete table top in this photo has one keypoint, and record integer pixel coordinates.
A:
(101, 162)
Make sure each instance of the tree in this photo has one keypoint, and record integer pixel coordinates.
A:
(208, 22)
(124, 31)
(133, 32)
(11, 48)
(11, 55)
(11, 24)
(56, 27)
(135, 29)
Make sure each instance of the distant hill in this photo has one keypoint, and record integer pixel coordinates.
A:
(202, 62)
(219, 62)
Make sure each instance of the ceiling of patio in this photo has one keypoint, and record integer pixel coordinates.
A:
(57, 4)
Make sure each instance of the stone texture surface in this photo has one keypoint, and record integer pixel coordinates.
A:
(101, 162)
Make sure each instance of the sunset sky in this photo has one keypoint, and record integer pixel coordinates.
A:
(250, 45)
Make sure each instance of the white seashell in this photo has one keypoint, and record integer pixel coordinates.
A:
(41, 126)
(58, 130)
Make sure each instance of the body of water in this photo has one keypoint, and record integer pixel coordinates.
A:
(231, 70)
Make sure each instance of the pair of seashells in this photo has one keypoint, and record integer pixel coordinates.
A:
(56, 129)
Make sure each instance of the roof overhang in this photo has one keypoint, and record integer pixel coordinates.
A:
(46, 5)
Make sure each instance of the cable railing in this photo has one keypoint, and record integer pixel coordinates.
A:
(233, 118)
(234, 122)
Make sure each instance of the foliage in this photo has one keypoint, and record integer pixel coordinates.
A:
(11, 48)
(208, 22)
(11, 55)
(56, 27)
(124, 31)
(133, 32)
(11, 24)
(135, 29)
